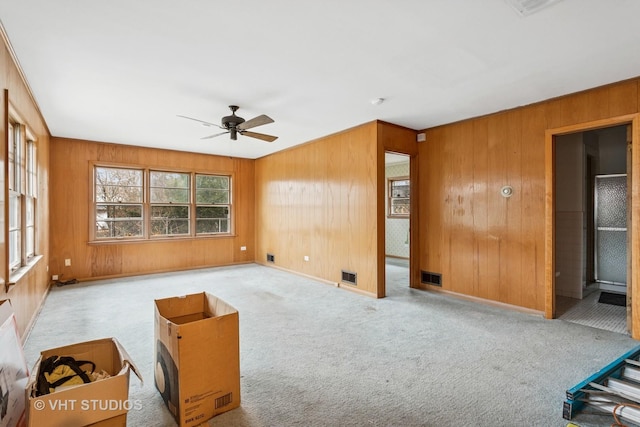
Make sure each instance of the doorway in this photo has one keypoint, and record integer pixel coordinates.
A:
(590, 209)
(397, 223)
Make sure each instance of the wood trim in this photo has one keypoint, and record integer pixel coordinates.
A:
(401, 140)
(414, 224)
(381, 182)
(549, 226)
(5, 204)
(356, 290)
(634, 327)
(549, 255)
(474, 299)
(596, 124)
(629, 226)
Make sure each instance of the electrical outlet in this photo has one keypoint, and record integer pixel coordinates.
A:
(54, 277)
(67, 262)
(243, 248)
(306, 257)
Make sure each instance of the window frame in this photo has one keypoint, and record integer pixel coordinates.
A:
(147, 206)
(95, 203)
(227, 206)
(391, 198)
(22, 186)
(153, 204)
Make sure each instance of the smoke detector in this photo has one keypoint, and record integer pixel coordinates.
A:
(528, 7)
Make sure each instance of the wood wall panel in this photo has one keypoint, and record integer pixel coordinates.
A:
(71, 180)
(29, 290)
(320, 200)
(481, 274)
(533, 191)
(494, 248)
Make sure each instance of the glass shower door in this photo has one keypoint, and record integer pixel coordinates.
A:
(611, 230)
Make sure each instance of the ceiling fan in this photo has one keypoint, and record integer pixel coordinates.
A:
(235, 125)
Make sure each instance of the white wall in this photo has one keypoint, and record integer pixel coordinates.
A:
(569, 191)
(612, 144)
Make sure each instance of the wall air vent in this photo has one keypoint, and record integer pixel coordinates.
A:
(434, 279)
(271, 258)
(528, 7)
(349, 277)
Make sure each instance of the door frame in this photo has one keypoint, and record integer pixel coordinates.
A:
(413, 223)
(549, 250)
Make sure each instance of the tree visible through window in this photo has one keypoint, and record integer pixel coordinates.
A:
(141, 203)
(23, 191)
(118, 210)
(212, 204)
(169, 203)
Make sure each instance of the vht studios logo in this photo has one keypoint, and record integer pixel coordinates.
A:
(87, 405)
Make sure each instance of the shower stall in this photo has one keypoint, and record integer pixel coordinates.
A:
(610, 219)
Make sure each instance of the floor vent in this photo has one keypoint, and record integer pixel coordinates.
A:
(431, 278)
(271, 258)
(349, 277)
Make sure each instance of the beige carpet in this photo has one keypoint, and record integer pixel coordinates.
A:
(316, 355)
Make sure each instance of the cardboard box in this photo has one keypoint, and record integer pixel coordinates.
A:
(197, 362)
(14, 372)
(103, 402)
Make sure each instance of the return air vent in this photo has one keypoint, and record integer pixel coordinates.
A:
(528, 7)
(349, 277)
(271, 258)
(431, 278)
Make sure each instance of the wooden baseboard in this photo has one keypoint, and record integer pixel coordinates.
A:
(479, 300)
(319, 279)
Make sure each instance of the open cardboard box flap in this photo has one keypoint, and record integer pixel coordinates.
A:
(126, 359)
(71, 406)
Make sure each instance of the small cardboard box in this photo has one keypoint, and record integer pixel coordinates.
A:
(14, 372)
(103, 402)
(197, 361)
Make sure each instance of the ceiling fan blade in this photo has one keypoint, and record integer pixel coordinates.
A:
(201, 121)
(214, 135)
(256, 121)
(261, 136)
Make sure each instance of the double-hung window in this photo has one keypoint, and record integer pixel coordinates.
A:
(399, 201)
(23, 190)
(213, 203)
(170, 198)
(118, 203)
(140, 203)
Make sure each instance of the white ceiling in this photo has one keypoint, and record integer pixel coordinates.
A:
(121, 70)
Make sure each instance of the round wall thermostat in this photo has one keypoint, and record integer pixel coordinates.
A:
(506, 191)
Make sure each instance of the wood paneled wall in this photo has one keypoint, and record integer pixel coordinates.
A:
(320, 200)
(27, 294)
(485, 245)
(70, 218)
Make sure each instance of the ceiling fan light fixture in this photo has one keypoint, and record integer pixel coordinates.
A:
(234, 125)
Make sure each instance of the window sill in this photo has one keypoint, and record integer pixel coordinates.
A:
(17, 275)
(158, 239)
